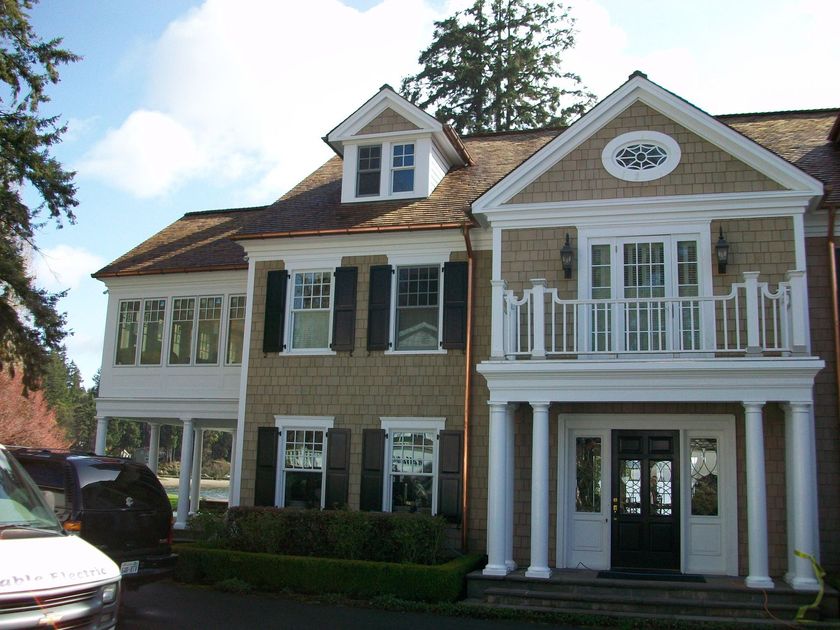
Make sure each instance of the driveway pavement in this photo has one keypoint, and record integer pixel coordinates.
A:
(171, 605)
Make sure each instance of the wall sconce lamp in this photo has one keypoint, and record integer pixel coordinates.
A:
(567, 257)
(722, 252)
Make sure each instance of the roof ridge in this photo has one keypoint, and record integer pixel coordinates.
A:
(224, 210)
(819, 110)
(510, 132)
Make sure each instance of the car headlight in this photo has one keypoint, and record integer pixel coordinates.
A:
(109, 593)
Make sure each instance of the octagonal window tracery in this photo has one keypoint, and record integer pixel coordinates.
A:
(641, 156)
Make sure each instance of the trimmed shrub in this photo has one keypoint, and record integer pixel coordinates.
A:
(381, 537)
(354, 578)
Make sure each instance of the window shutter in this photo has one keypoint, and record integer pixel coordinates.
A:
(379, 308)
(450, 474)
(338, 469)
(275, 311)
(344, 309)
(373, 470)
(266, 479)
(454, 305)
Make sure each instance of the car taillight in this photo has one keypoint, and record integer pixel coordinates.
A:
(73, 527)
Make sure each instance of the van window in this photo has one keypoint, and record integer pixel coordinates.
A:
(120, 486)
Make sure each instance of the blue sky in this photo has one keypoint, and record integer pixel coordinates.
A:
(182, 105)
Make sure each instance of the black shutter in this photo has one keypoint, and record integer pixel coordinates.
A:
(275, 311)
(338, 468)
(344, 309)
(450, 474)
(454, 305)
(265, 482)
(373, 470)
(379, 308)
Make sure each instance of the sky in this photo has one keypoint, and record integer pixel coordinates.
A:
(182, 105)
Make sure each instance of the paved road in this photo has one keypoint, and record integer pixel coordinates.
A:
(171, 605)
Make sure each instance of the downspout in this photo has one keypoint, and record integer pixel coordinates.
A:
(835, 308)
(467, 388)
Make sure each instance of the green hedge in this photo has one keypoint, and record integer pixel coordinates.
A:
(354, 578)
(375, 536)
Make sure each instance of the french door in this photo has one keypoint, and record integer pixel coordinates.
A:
(645, 500)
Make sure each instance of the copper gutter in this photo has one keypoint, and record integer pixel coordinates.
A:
(414, 227)
(467, 388)
(154, 272)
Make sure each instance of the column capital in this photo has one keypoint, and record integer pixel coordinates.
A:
(539, 404)
(754, 403)
(500, 405)
(798, 406)
(189, 421)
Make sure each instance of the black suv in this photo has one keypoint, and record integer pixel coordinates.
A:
(115, 504)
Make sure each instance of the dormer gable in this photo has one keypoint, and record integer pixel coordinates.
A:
(392, 149)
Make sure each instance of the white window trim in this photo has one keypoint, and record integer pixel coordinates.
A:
(194, 340)
(390, 424)
(393, 169)
(305, 423)
(427, 260)
(139, 333)
(358, 170)
(289, 323)
(615, 169)
(422, 156)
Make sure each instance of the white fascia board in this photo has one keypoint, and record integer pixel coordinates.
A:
(224, 409)
(196, 282)
(693, 119)
(638, 210)
(383, 100)
(785, 379)
(340, 245)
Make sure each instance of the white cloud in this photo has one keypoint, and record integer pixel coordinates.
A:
(63, 267)
(245, 89)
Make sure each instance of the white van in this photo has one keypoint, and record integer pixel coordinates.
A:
(48, 578)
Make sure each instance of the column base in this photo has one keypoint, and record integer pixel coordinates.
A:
(802, 583)
(179, 525)
(511, 565)
(759, 582)
(495, 570)
(538, 572)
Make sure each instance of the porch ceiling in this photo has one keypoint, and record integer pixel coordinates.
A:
(784, 379)
(207, 413)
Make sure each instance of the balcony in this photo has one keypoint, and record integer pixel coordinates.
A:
(753, 320)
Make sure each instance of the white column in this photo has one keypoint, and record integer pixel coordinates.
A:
(496, 492)
(538, 306)
(195, 485)
(101, 434)
(154, 446)
(510, 467)
(799, 312)
(497, 319)
(539, 493)
(752, 315)
(233, 481)
(184, 478)
(756, 498)
(801, 500)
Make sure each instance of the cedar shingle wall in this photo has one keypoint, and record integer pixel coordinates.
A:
(386, 122)
(703, 168)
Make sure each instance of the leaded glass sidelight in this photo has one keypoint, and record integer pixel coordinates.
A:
(661, 488)
(704, 476)
(630, 489)
(588, 489)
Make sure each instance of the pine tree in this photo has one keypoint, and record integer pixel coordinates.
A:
(496, 66)
(30, 325)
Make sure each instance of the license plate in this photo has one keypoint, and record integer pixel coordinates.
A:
(129, 568)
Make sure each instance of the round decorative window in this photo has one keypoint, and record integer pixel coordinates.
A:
(641, 156)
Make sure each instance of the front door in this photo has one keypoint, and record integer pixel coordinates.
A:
(645, 500)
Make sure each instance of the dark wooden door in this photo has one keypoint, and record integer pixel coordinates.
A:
(645, 500)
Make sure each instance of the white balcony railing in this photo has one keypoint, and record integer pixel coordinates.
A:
(750, 320)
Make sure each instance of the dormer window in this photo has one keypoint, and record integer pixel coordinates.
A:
(402, 168)
(370, 167)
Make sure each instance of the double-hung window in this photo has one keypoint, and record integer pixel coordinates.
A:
(140, 331)
(236, 329)
(209, 329)
(303, 455)
(402, 168)
(417, 317)
(412, 464)
(369, 170)
(311, 310)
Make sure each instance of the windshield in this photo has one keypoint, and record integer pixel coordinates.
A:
(21, 503)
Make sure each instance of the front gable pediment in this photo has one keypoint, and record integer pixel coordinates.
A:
(713, 159)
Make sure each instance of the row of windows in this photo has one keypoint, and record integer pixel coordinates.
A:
(195, 330)
(411, 454)
(417, 309)
(368, 174)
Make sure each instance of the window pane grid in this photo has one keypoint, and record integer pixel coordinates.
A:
(127, 332)
(152, 340)
(413, 453)
(180, 344)
(311, 310)
(236, 329)
(418, 286)
(312, 290)
(417, 322)
(369, 168)
(304, 450)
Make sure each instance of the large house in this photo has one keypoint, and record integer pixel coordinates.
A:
(607, 346)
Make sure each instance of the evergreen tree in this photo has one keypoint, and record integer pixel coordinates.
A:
(30, 325)
(496, 66)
